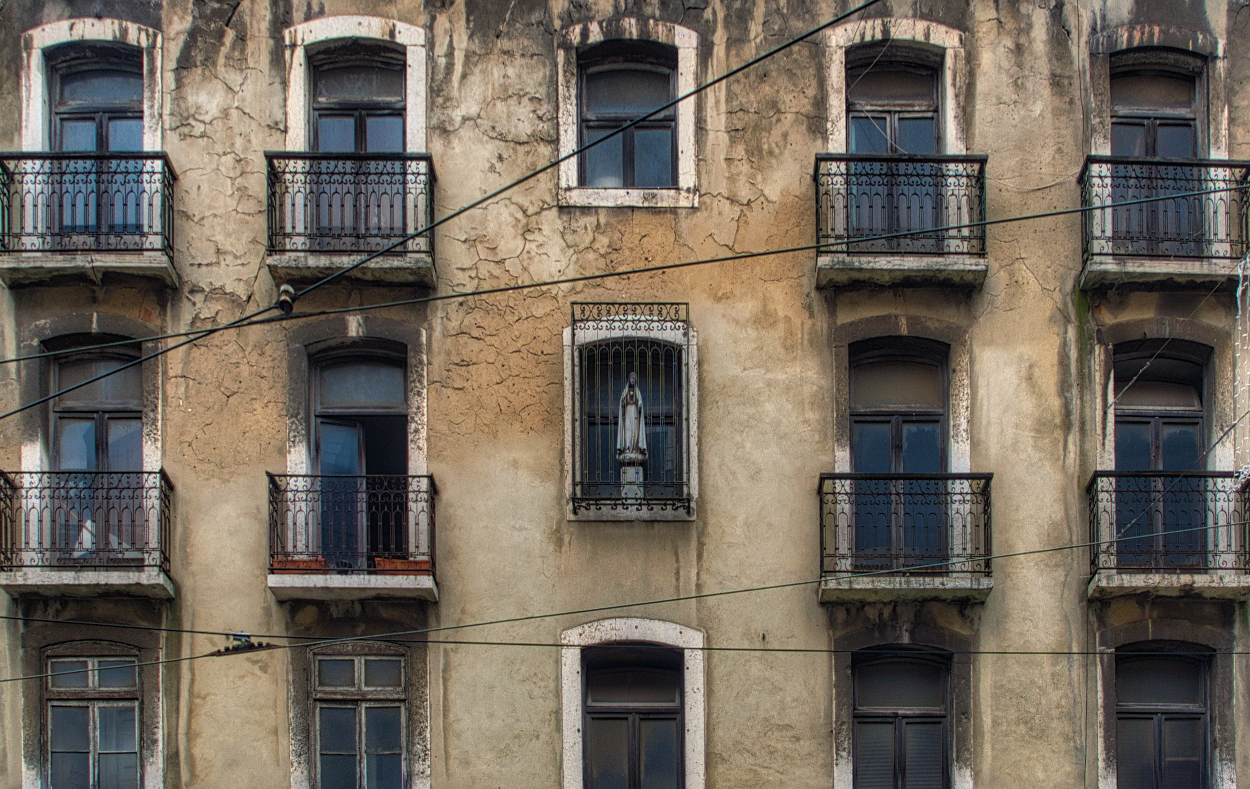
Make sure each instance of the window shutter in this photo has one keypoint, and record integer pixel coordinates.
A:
(874, 755)
(925, 755)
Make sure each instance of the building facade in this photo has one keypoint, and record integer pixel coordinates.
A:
(940, 499)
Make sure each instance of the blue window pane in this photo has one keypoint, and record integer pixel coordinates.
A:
(125, 134)
(337, 730)
(336, 134)
(102, 87)
(71, 771)
(871, 444)
(628, 93)
(70, 728)
(382, 729)
(76, 450)
(653, 158)
(384, 134)
(362, 385)
(69, 673)
(1132, 446)
(116, 728)
(384, 771)
(78, 135)
(658, 746)
(336, 673)
(917, 135)
(604, 164)
(338, 772)
(119, 771)
(125, 452)
(117, 674)
(870, 134)
(922, 452)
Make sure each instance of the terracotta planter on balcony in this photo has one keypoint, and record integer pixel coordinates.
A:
(391, 566)
(287, 566)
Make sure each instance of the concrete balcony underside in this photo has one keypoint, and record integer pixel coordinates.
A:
(330, 586)
(879, 589)
(55, 582)
(29, 268)
(887, 270)
(1216, 585)
(1103, 272)
(413, 269)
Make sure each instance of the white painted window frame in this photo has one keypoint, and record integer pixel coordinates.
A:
(688, 340)
(350, 27)
(36, 104)
(952, 90)
(615, 631)
(576, 37)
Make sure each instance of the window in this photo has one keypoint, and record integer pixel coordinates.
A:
(93, 723)
(631, 411)
(898, 427)
(98, 427)
(892, 106)
(612, 72)
(633, 712)
(622, 81)
(360, 453)
(360, 721)
(1161, 720)
(632, 698)
(1159, 428)
(97, 98)
(358, 101)
(1154, 113)
(901, 711)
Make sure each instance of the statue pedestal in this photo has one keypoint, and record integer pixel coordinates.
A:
(631, 482)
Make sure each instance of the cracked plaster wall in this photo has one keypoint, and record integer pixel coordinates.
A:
(767, 379)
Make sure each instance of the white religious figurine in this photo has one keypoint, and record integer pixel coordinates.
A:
(631, 431)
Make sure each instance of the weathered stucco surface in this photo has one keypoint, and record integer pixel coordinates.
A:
(770, 389)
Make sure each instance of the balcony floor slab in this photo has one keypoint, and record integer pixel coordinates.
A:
(414, 269)
(880, 589)
(1103, 272)
(887, 270)
(330, 586)
(1215, 585)
(28, 268)
(146, 582)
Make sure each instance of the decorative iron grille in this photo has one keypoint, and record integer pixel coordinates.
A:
(905, 524)
(88, 520)
(87, 202)
(344, 202)
(1197, 226)
(382, 524)
(1167, 522)
(640, 464)
(862, 196)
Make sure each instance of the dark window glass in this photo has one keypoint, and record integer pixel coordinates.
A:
(358, 107)
(360, 722)
(893, 109)
(900, 727)
(619, 84)
(98, 426)
(92, 743)
(1161, 722)
(633, 719)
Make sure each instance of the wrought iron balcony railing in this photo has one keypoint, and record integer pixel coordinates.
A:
(86, 202)
(86, 520)
(342, 524)
(348, 202)
(864, 196)
(905, 524)
(1167, 522)
(1212, 225)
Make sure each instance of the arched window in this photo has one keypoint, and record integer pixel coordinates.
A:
(892, 104)
(1162, 728)
(93, 722)
(901, 712)
(619, 82)
(1159, 428)
(97, 97)
(633, 717)
(358, 100)
(98, 427)
(360, 730)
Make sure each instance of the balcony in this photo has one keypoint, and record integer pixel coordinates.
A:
(1179, 243)
(1173, 533)
(861, 197)
(351, 538)
(82, 533)
(904, 537)
(326, 211)
(86, 216)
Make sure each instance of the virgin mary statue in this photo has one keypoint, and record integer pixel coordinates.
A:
(631, 433)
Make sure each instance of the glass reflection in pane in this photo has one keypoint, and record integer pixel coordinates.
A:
(653, 158)
(336, 134)
(78, 135)
(382, 729)
(870, 134)
(383, 771)
(658, 766)
(338, 771)
(125, 440)
(1175, 142)
(921, 448)
(76, 446)
(125, 134)
(603, 164)
(117, 674)
(383, 673)
(627, 93)
(607, 753)
(68, 674)
(336, 673)
(917, 135)
(1128, 139)
(71, 771)
(71, 728)
(384, 134)
(116, 728)
(119, 771)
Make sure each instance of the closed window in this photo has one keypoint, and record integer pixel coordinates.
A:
(1159, 428)
(93, 723)
(1161, 721)
(900, 721)
(97, 98)
(358, 102)
(619, 82)
(360, 721)
(98, 427)
(892, 106)
(633, 718)
(1154, 114)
